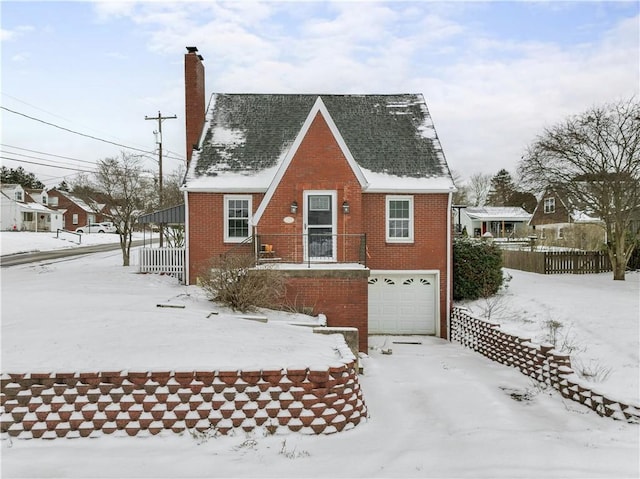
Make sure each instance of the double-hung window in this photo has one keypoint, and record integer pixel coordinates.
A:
(399, 219)
(549, 205)
(237, 214)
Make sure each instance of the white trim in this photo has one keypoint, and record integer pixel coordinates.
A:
(401, 191)
(435, 272)
(226, 199)
(318, 107)
(334, 221)
(411, 219)
(225, 189)
(449, 258)
(187, 245)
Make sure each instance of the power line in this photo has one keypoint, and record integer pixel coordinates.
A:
(42, 159)
(42, 153)
(73, 131)
(44, 164)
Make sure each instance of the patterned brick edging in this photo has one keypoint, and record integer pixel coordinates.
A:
(540, 362)
(318, 400)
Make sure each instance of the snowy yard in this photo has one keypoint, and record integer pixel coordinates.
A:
(436, 409)
(595, 319)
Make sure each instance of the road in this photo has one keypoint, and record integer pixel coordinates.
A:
(23, 258)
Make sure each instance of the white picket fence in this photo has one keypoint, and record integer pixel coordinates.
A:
(163, 261)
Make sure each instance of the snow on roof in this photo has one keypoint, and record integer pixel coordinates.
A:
(582, 217)
(509, 213)
(38, 207)
(247, 137)
(81, 203)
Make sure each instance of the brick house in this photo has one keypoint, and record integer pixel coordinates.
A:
(348, 195)
(76, 211)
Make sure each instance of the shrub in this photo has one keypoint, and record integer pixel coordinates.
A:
(477, 269)
(234, 281)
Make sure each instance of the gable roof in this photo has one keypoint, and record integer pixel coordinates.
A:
(74, 199)
(247, 137)
(576, 213)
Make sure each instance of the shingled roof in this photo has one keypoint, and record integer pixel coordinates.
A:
(249, 135)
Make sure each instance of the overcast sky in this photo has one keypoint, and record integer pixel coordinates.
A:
(493, 74)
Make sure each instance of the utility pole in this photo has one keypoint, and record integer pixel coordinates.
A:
(159, 118)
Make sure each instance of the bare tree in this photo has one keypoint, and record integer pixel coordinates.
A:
(461, 196)
(171, 193)
(479, 186)
(595, 157)
(127, 192)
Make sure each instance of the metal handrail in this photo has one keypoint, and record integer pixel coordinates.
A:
(349, 248)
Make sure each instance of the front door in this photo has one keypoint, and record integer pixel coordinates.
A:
(320, 226)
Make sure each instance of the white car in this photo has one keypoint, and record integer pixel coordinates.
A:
(97, 228)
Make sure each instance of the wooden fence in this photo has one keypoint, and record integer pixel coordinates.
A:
(163, 260)
(557, 262)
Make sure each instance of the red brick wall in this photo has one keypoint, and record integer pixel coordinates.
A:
(343, 300)
(319, 164)
(194, 100)
(206, 230)
(428, 250)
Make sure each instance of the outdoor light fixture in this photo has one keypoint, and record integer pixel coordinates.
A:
(345, 207)
(294, 207)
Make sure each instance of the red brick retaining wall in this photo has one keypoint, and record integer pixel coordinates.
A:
(541, 362)
(309, 400)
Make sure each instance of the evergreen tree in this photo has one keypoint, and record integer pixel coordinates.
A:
(501, 189)
(18, 176)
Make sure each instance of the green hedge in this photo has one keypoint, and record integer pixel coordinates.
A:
(477, 269)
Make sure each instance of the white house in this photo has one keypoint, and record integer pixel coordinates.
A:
(500, 221)
(20, 213)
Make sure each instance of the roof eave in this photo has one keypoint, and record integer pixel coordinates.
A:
(415, 191)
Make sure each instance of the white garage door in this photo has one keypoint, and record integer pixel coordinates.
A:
(402, 303)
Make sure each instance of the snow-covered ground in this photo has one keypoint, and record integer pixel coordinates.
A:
(436, 409)
(27, 242)
(595, 319)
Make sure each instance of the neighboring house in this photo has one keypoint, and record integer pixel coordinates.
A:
(500, 221)
(20, 212)
(554, 214)
(77, 212)
(348, 195)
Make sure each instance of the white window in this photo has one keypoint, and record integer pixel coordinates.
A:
(18, 195)
(44, 199)
(399, 219)
(75, 219)
(237, 214)
(53, 201)
(549, 205)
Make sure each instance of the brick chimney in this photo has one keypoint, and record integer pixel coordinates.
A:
(194, 96)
